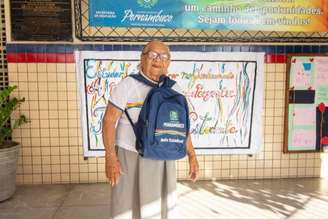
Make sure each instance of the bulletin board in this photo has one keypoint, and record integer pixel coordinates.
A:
(306, 112)
(224, 93)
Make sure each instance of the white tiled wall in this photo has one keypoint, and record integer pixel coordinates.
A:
(52, 145)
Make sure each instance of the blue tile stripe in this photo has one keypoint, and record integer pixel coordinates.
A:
(68, 48)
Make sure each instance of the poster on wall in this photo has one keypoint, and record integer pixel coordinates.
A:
(224, 92)
(306, 116)
(287, 15)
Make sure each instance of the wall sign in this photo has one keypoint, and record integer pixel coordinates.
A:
(289, 15)
(41, 20)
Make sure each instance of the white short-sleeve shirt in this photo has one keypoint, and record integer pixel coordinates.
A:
(130, 94)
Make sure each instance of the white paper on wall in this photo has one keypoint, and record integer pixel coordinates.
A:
(224, 91)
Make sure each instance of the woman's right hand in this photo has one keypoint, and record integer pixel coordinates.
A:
(112, 164)
(113, 168)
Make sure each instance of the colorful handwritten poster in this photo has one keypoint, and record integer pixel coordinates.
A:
(224, 92)
(307, 104)
(287, 15)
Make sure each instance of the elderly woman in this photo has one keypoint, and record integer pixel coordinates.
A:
(141, 188)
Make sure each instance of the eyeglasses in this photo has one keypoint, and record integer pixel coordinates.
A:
(154, 55)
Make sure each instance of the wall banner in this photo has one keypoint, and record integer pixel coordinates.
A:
(257, 15)
(224, 91)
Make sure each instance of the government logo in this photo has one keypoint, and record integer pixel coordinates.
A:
(147, 3)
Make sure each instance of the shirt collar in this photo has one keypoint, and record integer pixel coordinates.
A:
(149, 79)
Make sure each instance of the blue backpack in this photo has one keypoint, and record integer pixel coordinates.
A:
(163, 124)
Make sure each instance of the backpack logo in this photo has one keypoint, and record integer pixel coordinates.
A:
(147, 3)
(174, 116)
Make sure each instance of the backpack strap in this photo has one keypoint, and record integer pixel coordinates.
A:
(141, 78)
(130, 120)
(165, 81)
(134, 128)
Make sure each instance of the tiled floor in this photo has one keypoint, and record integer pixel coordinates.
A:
(287, 198)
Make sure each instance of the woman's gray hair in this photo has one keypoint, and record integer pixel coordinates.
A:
(145, 48)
